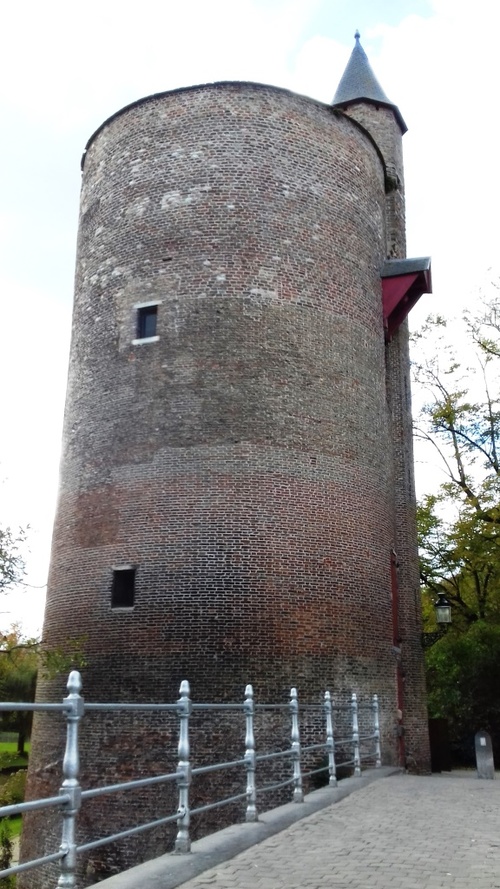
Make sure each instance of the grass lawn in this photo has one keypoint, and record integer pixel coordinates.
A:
(9, 757)
(15, 825)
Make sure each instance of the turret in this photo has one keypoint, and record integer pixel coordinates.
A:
(360, 95)
(359, 84)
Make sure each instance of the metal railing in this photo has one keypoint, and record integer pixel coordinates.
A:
(71, 795)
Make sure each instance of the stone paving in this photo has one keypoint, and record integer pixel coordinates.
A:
(404, 831)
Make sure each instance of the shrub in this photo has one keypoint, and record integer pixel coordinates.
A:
(13, 790)
(6, 853)
(463, 678)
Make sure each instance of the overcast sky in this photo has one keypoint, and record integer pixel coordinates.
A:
(66, 66)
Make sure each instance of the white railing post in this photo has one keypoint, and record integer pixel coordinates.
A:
(355, 735)
(183, 840)
(298, 795)
(71, 786)
(251, 812)
(330, 741)
(376, 732)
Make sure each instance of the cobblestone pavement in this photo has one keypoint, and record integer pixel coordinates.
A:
(405, 832)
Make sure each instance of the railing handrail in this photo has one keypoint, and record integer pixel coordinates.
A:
(71, 794)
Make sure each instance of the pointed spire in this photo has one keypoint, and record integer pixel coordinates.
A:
(358, 83)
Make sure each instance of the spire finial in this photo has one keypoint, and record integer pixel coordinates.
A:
(359, 84)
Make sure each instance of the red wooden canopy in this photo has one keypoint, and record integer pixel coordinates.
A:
(403, 282)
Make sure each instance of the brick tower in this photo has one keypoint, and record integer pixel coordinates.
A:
(236, 500)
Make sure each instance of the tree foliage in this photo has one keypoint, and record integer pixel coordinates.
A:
(18, 673)
(11, 560)
(6, 852)
(463, 671)
(459, 521)
(461, 417)
(460, 557)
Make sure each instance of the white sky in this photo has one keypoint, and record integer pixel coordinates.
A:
(66, 66)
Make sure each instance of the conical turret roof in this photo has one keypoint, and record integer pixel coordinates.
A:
(359, 84)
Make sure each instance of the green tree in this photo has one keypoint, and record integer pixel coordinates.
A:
(18, 672)
(463, 680)
(461, 415)
(460, 557)
(11, 561)
(459, 523)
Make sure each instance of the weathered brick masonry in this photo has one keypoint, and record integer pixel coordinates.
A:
(254, 461)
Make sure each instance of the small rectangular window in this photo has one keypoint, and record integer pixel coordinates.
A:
(123, 587)
(146, 322)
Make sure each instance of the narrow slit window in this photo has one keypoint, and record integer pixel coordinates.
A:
(123, 587)
(146, 322)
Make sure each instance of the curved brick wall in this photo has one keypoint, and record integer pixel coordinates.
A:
(243, 461)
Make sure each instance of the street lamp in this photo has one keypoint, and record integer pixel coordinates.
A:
(442, 608)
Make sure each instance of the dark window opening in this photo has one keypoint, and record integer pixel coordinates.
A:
(123, 588)
(146, 322)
